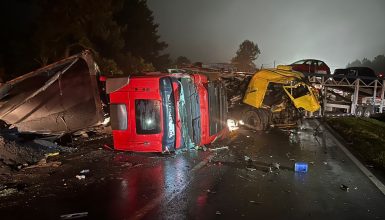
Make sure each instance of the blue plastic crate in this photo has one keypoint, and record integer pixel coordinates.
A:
(301, 167)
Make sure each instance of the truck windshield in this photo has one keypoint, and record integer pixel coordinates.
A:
(118, 114)
(299, 91)
(147, 114)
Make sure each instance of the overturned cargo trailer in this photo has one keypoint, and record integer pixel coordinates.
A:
(60, 98)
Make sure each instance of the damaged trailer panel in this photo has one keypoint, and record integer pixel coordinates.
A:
(60, 98)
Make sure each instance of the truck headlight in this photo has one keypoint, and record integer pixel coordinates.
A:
(232, 125)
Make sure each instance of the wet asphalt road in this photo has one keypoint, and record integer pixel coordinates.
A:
(224, 184)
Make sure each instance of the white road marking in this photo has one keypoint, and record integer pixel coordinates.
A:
(365, 170)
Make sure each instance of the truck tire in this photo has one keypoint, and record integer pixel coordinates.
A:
(265, 116)
(368, 111)
(359, 111)
(257, 119)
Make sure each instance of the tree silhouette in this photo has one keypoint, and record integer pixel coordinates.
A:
(182, 60)
(140, 33)
(121, 33)
(248, 52)
(377, 64)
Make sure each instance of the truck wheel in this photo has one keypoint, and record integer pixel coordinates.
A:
(359, 111)
(253, 120)
(368, 111)
(265, 117)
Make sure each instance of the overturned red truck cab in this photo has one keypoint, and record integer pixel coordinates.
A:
(159, 112)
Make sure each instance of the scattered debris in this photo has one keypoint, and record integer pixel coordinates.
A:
(107, 147)
(276, 165)
(247, 158)
(74, 215)
(43, 163)
(245, 178)
(80, 177)
(325, 163)
(127, 164)
(236, 85)
(7, 192)
(51, 154)
(219, 148)
(218, 213)
(219, 163)
(255, 202)
(355, 188)
(344, 187)
(311, 162)
(209, 191)
(84, 171)
(247, 136)
(250, 168)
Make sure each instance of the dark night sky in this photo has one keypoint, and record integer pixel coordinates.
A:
(336, 31)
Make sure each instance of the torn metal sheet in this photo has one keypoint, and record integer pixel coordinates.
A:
(60, 98)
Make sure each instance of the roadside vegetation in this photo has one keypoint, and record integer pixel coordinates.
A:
(366, 136)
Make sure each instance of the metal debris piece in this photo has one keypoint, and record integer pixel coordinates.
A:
(60, 98)
(255, 202)
(218, 213)
(74, 215)
(107, 147)
(127, 164)
(80, 177)
(251, 168)
(276, 165)
(247, 158)
(245, 178)
(84, 171)
(344, 187)
(51, 154)
(219, 148)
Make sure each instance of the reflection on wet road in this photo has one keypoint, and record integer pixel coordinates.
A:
(254, 178)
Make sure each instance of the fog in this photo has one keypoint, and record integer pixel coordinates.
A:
(336, 31)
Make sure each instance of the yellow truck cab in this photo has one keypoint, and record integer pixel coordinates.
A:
(278, 97)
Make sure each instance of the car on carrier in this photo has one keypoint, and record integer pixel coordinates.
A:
(311, 66)
(366, 74)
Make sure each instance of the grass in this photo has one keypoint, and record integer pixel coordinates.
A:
(367, 137)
